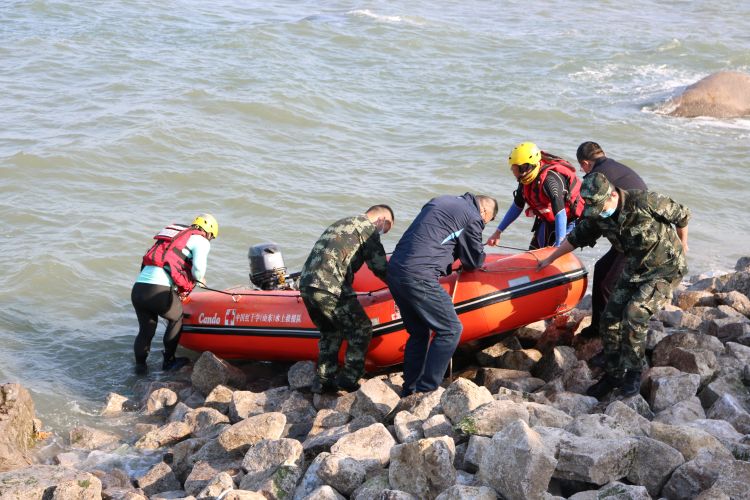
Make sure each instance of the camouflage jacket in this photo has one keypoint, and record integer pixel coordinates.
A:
(642, 229)
(340, 252)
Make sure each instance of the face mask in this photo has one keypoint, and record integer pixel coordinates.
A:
(381, 231)
(607, 213)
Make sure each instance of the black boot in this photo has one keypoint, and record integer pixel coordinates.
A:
(322, 386)
(173, 364)
(603, 387)
(632, 384)
(590, 332)
(141, 368)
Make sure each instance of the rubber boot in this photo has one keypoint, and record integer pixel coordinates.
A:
(322, 386)
(172, 363)
(347, 385)
(605, 385)
(631, 385)
(141, 368)
(590, 332)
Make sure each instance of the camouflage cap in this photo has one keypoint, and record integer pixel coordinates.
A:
(595, 190)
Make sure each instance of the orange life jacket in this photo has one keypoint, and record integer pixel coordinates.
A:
(167, 253)
(539, 203)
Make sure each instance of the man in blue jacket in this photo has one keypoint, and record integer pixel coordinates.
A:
(447, 228)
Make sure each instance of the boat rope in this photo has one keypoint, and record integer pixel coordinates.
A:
(254, 293)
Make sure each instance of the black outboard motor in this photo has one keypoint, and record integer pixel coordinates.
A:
(267, 270)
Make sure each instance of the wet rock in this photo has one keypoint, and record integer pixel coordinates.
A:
(344, 473)
(463, 492)
(728, 408)
(437, 426)
(159, 478)
(115, 404)
(545, 415)
(219, 484)
(324, 492)
(301, 375)
(653, 464)
(370, 445)
(667, 386)
(523, 359)
(555, 362)
(681, 413)
(16, 426)
(219, 398)
(204, 473)
(310, 480)
(742, 264)
(265, 458)
(48, 481)
(242, 435)
(517, 463)
(407, 427)
(210, 371)
(160, 401)
(165, 435)
(88, 438)
(423, 468)
(461, 397)
(178, 412)
(422, 404)
(205, 422)
(323, 440)
(376, 399)
(687, 440)
(492, 417)
(597, 461)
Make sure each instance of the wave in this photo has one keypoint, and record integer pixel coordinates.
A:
(409, 20)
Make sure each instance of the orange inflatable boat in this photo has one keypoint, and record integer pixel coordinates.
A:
(507, 293)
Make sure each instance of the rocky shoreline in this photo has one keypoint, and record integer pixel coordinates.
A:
(516, 424)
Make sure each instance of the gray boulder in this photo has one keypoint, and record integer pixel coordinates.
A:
(210, 371)
(667, 386)
(407, 427)
(463, 492)
(157, 479)
(653, 464)
(688, 440)
(265, 458)
(376, 399)
(461, 397)
(342, 472)
(422, 405)
(242, 435)
(49, 481)
(16, 426)
(423, 468)
(728, 408)
(370, 445)
(301, 375)
(492, 417)
(597, 461)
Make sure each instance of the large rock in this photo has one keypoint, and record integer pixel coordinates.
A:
(681, 413)
(629, 420)
(523, 359)
(301, 375)
(597, 461)
(685, 340)
(160, 401)
(725, 94)
(327, 419)
(546, 415)
(653, 464)
(166, 435)
(342, 472)
(667, 386)
(736, 300)
(266, 457)
(310, 481)
(687, 440)
(205, 421)
(49, 481)
(517, 463)
(210, 371)
(16, 426)
(461, 397)
(407, 427)
(376, 399)
(728, 408)
(422, 405)
(370, 445)
(323, 440)
(204, 473)
(597, 426)
(423, 468)
(699, 361)
(298, 410)
(555, 362)
(159, 478)
(695, 475)
(242, 435)
(492, 417)
(475, 450)
(88, 438)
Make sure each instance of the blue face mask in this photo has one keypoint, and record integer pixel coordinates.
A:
(607, 213)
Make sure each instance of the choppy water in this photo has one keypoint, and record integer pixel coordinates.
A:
(119, 117)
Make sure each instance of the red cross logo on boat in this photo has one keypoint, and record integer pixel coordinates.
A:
(229, 317)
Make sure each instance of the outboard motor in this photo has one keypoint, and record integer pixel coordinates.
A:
(267, 270)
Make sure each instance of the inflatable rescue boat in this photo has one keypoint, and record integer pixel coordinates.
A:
(270, 322)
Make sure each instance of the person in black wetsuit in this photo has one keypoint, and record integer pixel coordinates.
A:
(609, 267)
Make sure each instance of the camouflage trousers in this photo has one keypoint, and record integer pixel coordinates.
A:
(624, 322)
(338, 319)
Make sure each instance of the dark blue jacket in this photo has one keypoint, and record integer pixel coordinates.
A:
(618, 174)
(447, 228)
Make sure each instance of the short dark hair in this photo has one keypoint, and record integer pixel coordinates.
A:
(589, 151)
(481, 198)
(382, 207)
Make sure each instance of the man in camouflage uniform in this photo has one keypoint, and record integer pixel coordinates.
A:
(652, 231)
(326, 290)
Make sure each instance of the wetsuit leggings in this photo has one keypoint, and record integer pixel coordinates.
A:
(150, 302)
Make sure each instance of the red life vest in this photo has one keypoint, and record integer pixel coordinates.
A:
(539, 203)
(167, 253)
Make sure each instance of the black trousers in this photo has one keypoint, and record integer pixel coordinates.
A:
(607, 271)
(150, 302)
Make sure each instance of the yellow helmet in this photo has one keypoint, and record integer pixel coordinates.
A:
(526, 153)
(208, 223)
